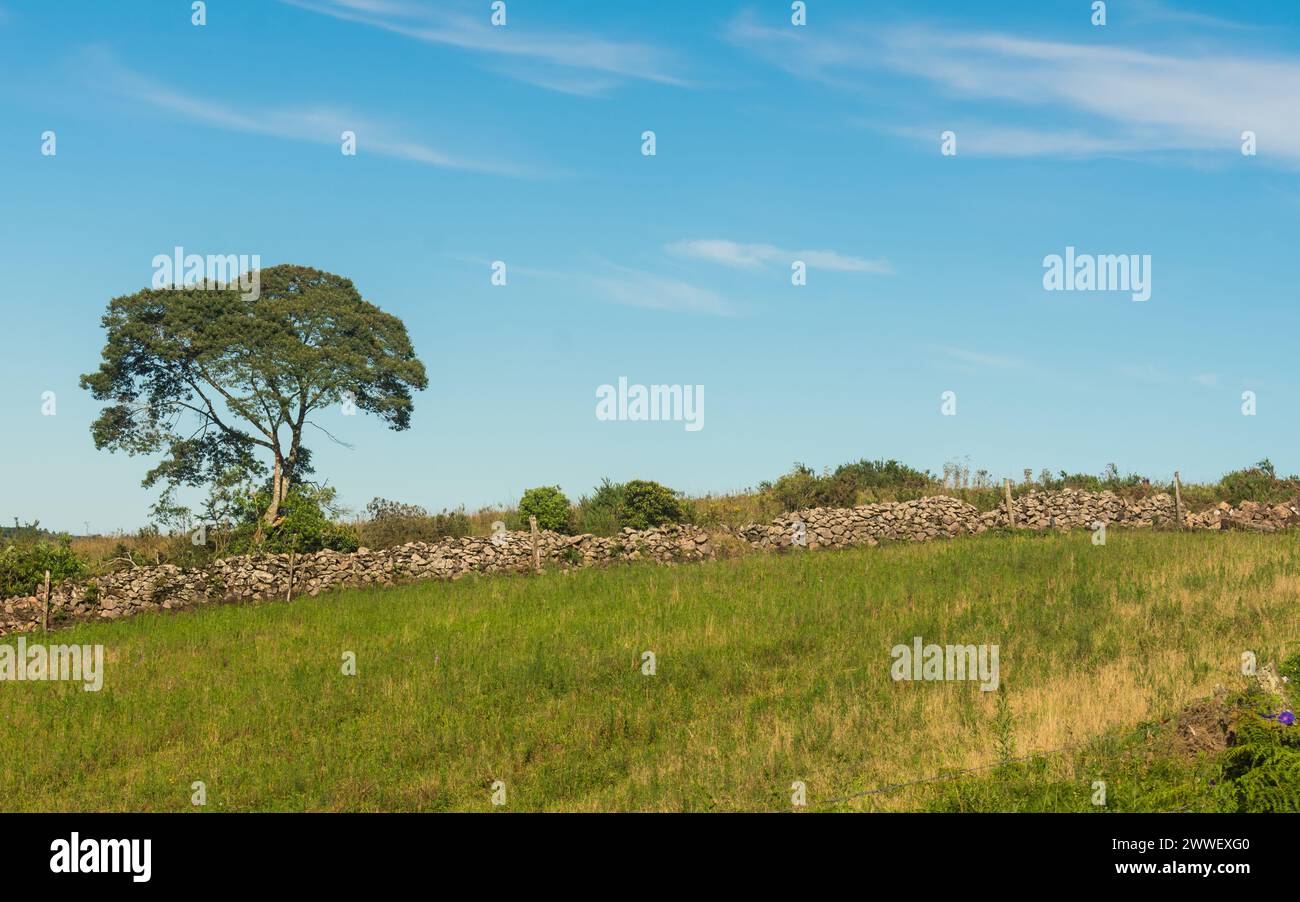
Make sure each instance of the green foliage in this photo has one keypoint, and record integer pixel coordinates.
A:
(1261, 772)
(383, 509)
(181, 550)
(639, 504)
(1110, 480)
(25, 532)
(23, 564)
(647, 504)
(600, 513)
(803, 488)
(1258, 483)
(549, 505)
(839, 489)
(1290, 668)
(571, 556)
(1146, 770)
(391, 523)
(306, 524)
(869, 481)
(213, 379)
(796, 490)
(872, 474)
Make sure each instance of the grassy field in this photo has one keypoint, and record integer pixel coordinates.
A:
(770, 669)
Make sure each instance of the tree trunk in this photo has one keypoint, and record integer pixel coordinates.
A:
(279, 491)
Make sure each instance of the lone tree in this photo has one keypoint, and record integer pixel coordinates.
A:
(219, 381)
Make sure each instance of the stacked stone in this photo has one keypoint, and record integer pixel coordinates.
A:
(1250, 516)
(1073, 508)
(263, 577)
(919, 520)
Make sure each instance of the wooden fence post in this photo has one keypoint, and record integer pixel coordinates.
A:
(1178, 500)
(45, 614)
(537, 552)
(1011, 511)
(288, 595)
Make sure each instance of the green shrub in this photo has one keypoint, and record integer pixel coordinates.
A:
(878, 474)
(23, 564)
(796, 490)
(549, 505)
(840, 489)
(647, 504)
(392, 523)
(1134, 485)
(1261, 771)
(305, 524)
(802, 488)
(383, 509)
(600, 513)
(181, 551)
(1258, 483)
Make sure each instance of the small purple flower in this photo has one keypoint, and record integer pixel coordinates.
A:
(1286, 718)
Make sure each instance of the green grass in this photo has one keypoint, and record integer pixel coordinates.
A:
(1147, 769)
(770, 669)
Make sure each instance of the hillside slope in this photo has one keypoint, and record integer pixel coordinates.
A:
(769, 669)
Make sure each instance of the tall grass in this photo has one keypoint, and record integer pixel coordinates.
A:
(770, 669)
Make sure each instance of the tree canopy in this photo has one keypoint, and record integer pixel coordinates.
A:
(220, 381)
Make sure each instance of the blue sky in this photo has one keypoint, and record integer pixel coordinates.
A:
(522, 144)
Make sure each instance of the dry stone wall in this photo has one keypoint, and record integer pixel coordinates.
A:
(926, 518)
(944, 517)
(1250, 516)
(264, 577)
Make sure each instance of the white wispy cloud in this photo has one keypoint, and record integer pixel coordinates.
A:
(977, 358)
(1157, 11)
(1103, 98)
(321, 124)
(579, 84)
(547, 59)
(637, 288)
(984, 139)
(607, 282)
(756, 256)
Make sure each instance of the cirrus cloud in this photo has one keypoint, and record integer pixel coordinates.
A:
(757, 256)
(1084, 98)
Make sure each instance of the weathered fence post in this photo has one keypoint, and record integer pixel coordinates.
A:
(1178, 500)
(45, 614)
(537, 552)
(1011, 511)
(288, 595)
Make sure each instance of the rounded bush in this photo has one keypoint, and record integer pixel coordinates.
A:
(23, 565)
(549, 505)
(647, 504)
